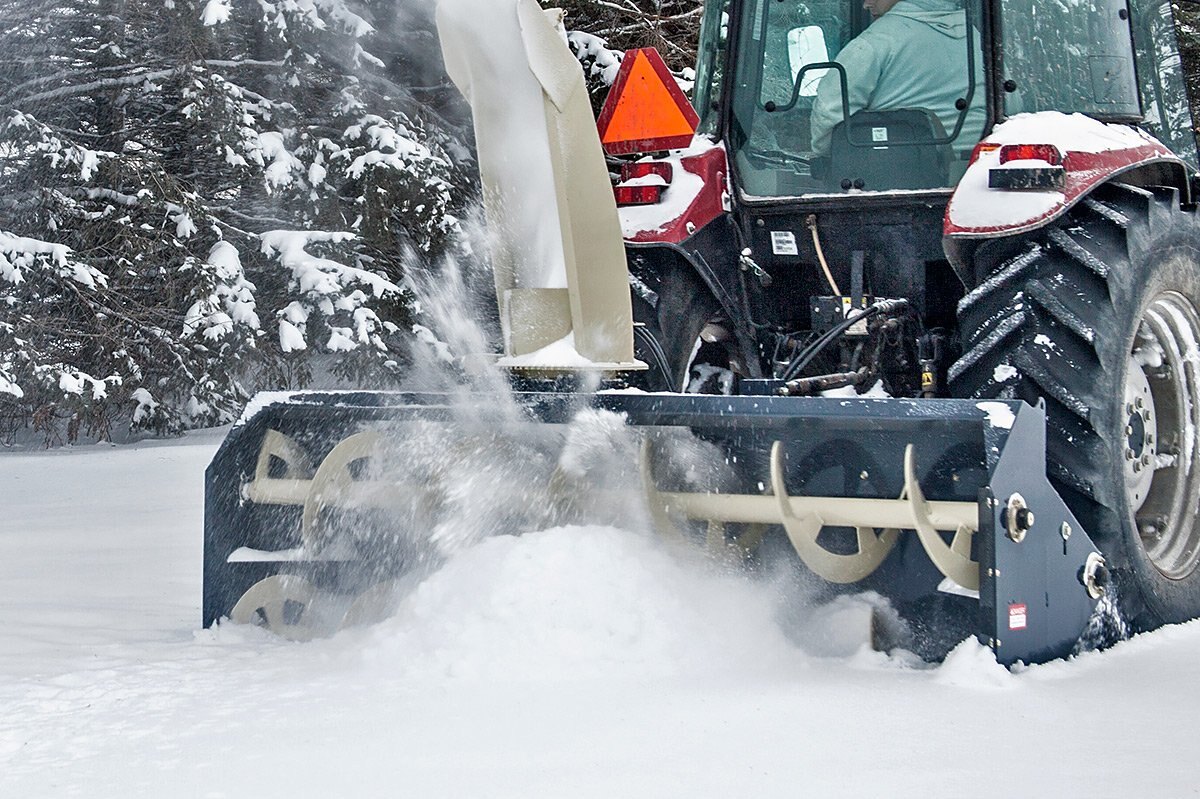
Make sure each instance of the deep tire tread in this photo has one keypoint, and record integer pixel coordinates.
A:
(1054, 313)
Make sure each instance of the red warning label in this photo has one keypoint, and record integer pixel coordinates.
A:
(1017, 617)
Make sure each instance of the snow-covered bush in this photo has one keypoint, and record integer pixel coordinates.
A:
(202, 198)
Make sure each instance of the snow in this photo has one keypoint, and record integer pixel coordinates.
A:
(574, 661)
(583, 662)
(555, 355)
(685, 186)
(1067, 132)
(998, 414)
(216, 12)
(974, 205)
(314, 274)
(1004, 372)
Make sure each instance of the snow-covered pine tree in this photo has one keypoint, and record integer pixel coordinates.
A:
(205, 198)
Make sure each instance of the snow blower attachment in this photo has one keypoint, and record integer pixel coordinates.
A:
(1039, 429)
(343, 496)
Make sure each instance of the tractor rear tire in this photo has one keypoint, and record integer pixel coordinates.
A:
(1099, 314)
(669, 337)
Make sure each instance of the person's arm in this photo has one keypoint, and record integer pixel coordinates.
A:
(863, 68)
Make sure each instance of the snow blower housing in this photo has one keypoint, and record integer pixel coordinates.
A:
(996, 281)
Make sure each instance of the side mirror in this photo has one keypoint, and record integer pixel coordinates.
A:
(806, 46)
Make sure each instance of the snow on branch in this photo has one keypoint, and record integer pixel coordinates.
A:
(231, 301)
(330, 289)
(59, 153)
(19, 255)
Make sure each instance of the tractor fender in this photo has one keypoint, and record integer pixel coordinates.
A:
(698, 193)
(711, 255)
(1093, 153)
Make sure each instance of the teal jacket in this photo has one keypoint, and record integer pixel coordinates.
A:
(914, 56)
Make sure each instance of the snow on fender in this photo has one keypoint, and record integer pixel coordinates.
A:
(1093, 152)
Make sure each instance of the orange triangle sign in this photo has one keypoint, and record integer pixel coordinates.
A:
(645, 110)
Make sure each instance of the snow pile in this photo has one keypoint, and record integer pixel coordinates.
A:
(973, 665)
(556, 354)
(576, 603)
(1068, 132)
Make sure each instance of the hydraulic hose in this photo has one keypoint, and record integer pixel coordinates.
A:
(805, 356)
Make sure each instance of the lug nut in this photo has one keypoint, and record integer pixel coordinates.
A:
(1146, 459)
(1130, 454)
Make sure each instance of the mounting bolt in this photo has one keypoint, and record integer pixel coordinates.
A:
(1145, 416)
(1139, 403)
(1128, 429)
(1146, 459)
(1095, 576)
(1130, 454)
(1065, 531)
(1018, 518)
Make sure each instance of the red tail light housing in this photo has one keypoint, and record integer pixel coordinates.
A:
(642, 182)
(637, 195)
(643, 169)
(1031, 152)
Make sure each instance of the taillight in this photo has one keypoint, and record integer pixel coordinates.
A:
(642, 182)
(981, 148)
(1031, 152)
(641, 169)
(637, 195)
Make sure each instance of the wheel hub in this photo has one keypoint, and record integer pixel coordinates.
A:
(1162, 412)
(1140, 432)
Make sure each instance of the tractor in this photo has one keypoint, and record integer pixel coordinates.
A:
(944, 348)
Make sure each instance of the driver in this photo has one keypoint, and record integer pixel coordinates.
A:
(914, 55)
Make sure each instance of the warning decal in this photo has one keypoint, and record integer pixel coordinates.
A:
(1017, 617)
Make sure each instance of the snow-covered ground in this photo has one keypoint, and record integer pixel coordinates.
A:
(571, 662)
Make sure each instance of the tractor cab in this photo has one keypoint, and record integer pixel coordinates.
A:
(819, 97)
